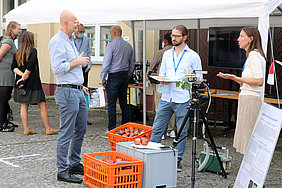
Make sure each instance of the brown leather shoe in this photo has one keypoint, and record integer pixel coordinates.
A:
(29, 132)
(55, 131)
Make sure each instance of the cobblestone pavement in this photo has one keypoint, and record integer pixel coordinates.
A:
(30, 160)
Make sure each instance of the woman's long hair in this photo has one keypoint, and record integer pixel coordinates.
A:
(256, 43)
(27, 43)
(10, 26)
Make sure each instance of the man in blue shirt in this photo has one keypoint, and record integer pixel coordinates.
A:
(82, 44)
(67, 66)
(175, 99)
(118, 64)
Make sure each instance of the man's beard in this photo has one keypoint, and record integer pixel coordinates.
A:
(175, 43)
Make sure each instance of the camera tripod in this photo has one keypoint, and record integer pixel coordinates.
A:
(195, 106)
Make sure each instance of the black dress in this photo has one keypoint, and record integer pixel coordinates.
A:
(32, 85)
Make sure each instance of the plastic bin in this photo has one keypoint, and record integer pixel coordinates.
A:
(100, 174)
(114, 137)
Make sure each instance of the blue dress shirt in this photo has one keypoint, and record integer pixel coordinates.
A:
(175, 70)
(118, 57)
(83, 45)
(62, 51)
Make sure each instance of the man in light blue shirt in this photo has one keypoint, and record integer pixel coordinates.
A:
(175, 99)
(118, 65)
(82, 44)
(67, 66)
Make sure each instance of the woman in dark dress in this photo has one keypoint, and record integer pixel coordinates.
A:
(28, 89)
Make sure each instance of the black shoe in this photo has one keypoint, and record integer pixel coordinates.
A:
(78, 169)
(179, 166)
(89, 123)
(68, 177)
(10, 124)
(5, 128)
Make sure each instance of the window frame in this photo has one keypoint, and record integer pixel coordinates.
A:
(97, 59)
(4, 24)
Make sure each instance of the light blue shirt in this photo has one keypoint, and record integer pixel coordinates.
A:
(62, 51)
(172, 70)
(83, 45)
(118, 57)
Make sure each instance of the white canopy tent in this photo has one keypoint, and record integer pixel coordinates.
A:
(158, 14)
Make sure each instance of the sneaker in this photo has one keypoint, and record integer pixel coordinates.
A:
(179, 166)
(163, 137)
(10, 124)
(5, 128)
(172, 134)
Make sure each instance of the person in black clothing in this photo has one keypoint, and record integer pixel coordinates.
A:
(28, 89)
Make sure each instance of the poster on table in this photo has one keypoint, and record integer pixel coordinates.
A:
(258, 155)
(96, 97)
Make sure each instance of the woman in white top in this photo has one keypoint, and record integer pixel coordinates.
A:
(252, 86)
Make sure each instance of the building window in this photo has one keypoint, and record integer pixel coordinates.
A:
(90, 33)
(7, 6)
(21, 2)
(99, 37)
(104, 38)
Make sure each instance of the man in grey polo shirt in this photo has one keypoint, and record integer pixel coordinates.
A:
(67, 66)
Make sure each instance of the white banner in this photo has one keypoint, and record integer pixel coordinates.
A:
(257, 158)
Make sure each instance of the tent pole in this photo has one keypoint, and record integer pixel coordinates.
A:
(133, 40)
(198, 36)
(144, 72)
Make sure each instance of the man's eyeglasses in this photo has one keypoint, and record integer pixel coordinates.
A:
(81, 31)
(176, 36)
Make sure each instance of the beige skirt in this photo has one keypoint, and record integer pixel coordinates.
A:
(247, 113)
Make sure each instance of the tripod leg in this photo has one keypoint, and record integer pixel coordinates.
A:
(175, 141)
(193, 179)
(213, 144)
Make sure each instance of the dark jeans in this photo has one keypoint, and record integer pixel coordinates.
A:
(116, 87)
(85, 76)
(5, 96)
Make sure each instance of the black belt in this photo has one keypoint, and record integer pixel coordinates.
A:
(70, 86)
(119, 72)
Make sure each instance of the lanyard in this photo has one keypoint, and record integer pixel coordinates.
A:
(78, 49)
(243, 71)
(175, 68)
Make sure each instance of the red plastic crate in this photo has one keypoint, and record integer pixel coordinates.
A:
(116, 138)
(100, 174)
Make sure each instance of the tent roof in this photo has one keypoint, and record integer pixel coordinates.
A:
(110, 11)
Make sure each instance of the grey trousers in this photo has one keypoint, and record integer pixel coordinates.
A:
(73, 118)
